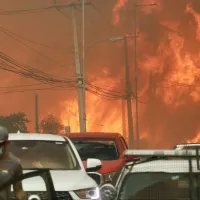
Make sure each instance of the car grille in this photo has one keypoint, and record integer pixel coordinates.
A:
(43, 195)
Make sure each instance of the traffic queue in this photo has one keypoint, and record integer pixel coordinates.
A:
(99, 166)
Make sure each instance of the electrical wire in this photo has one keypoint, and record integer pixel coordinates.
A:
(20, 86)
(35, 10)
(38, 52)
(37, 89)
(31, 41)
(9, 64)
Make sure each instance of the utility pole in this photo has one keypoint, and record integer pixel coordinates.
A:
(128, 87)
(36, 114)
(83, 62)
(79, 74)
(129, 95)
(136, 71)
(123, 115)
(136, 80)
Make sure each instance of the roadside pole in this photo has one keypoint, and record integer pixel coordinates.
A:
(83, 64)
(136, 81)
(36, 114)
(129, 96)
(79, 77)
(123, 114)
(79, 72)
(80, 80)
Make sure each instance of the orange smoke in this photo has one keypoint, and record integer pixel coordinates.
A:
(118, 6)
(168, 61)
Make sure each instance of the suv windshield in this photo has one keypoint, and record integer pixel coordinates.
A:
(103, 149)
(153, 186)
(43, 154)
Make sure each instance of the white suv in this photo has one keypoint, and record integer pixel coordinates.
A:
(187, 146)
(58, 154)
(163, 175)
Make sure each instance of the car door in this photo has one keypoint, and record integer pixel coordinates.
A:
(50, 193)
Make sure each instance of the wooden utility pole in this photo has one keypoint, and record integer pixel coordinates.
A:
(83, 63)
(136, 80)
(79, 71)
(36, 114)
(123, 113)
(129, 95)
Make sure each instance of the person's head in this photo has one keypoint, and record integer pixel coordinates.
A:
(3, 140)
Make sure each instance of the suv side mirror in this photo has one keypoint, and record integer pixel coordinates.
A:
(108, 192)
(93, 165)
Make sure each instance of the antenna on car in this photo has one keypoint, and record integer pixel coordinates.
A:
(18, 132)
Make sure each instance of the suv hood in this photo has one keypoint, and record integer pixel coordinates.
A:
(64, 180)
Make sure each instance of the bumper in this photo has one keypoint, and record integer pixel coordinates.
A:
(60, 196)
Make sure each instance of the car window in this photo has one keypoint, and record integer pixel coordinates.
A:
(103, 149)
(43, 154)
(123, 143)
(153, 186)
(190, 147)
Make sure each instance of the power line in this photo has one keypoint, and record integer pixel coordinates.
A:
(37, 89)
(19, 86)
(40, 44)
(35, 10)
(9, 64)
(38, 52)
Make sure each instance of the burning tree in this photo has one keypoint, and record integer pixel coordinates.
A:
(51, 124)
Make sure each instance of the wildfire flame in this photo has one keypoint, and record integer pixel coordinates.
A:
(196, 139)
(168, 49)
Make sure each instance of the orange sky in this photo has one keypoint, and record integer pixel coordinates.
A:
(168, 48)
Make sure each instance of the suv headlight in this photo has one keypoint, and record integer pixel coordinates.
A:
(89, 193)
(108, 177)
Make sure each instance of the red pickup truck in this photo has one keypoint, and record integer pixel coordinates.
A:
(107, 147)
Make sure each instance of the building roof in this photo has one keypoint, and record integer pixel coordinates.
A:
(35, 136)
(93, 135)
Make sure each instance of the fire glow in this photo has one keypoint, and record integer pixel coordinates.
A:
(173, 62)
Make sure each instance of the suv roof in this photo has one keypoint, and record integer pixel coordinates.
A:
(186, 145)
(35, 136)
(168, 166)
(93, 135)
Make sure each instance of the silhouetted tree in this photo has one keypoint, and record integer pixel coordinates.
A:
(51, 124)
(15, 122)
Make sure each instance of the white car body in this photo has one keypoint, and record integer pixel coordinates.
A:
(64, 180)
(167, 166)
(191, 146)
(173, 166)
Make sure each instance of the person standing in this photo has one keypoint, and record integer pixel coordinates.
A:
(10, 169)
